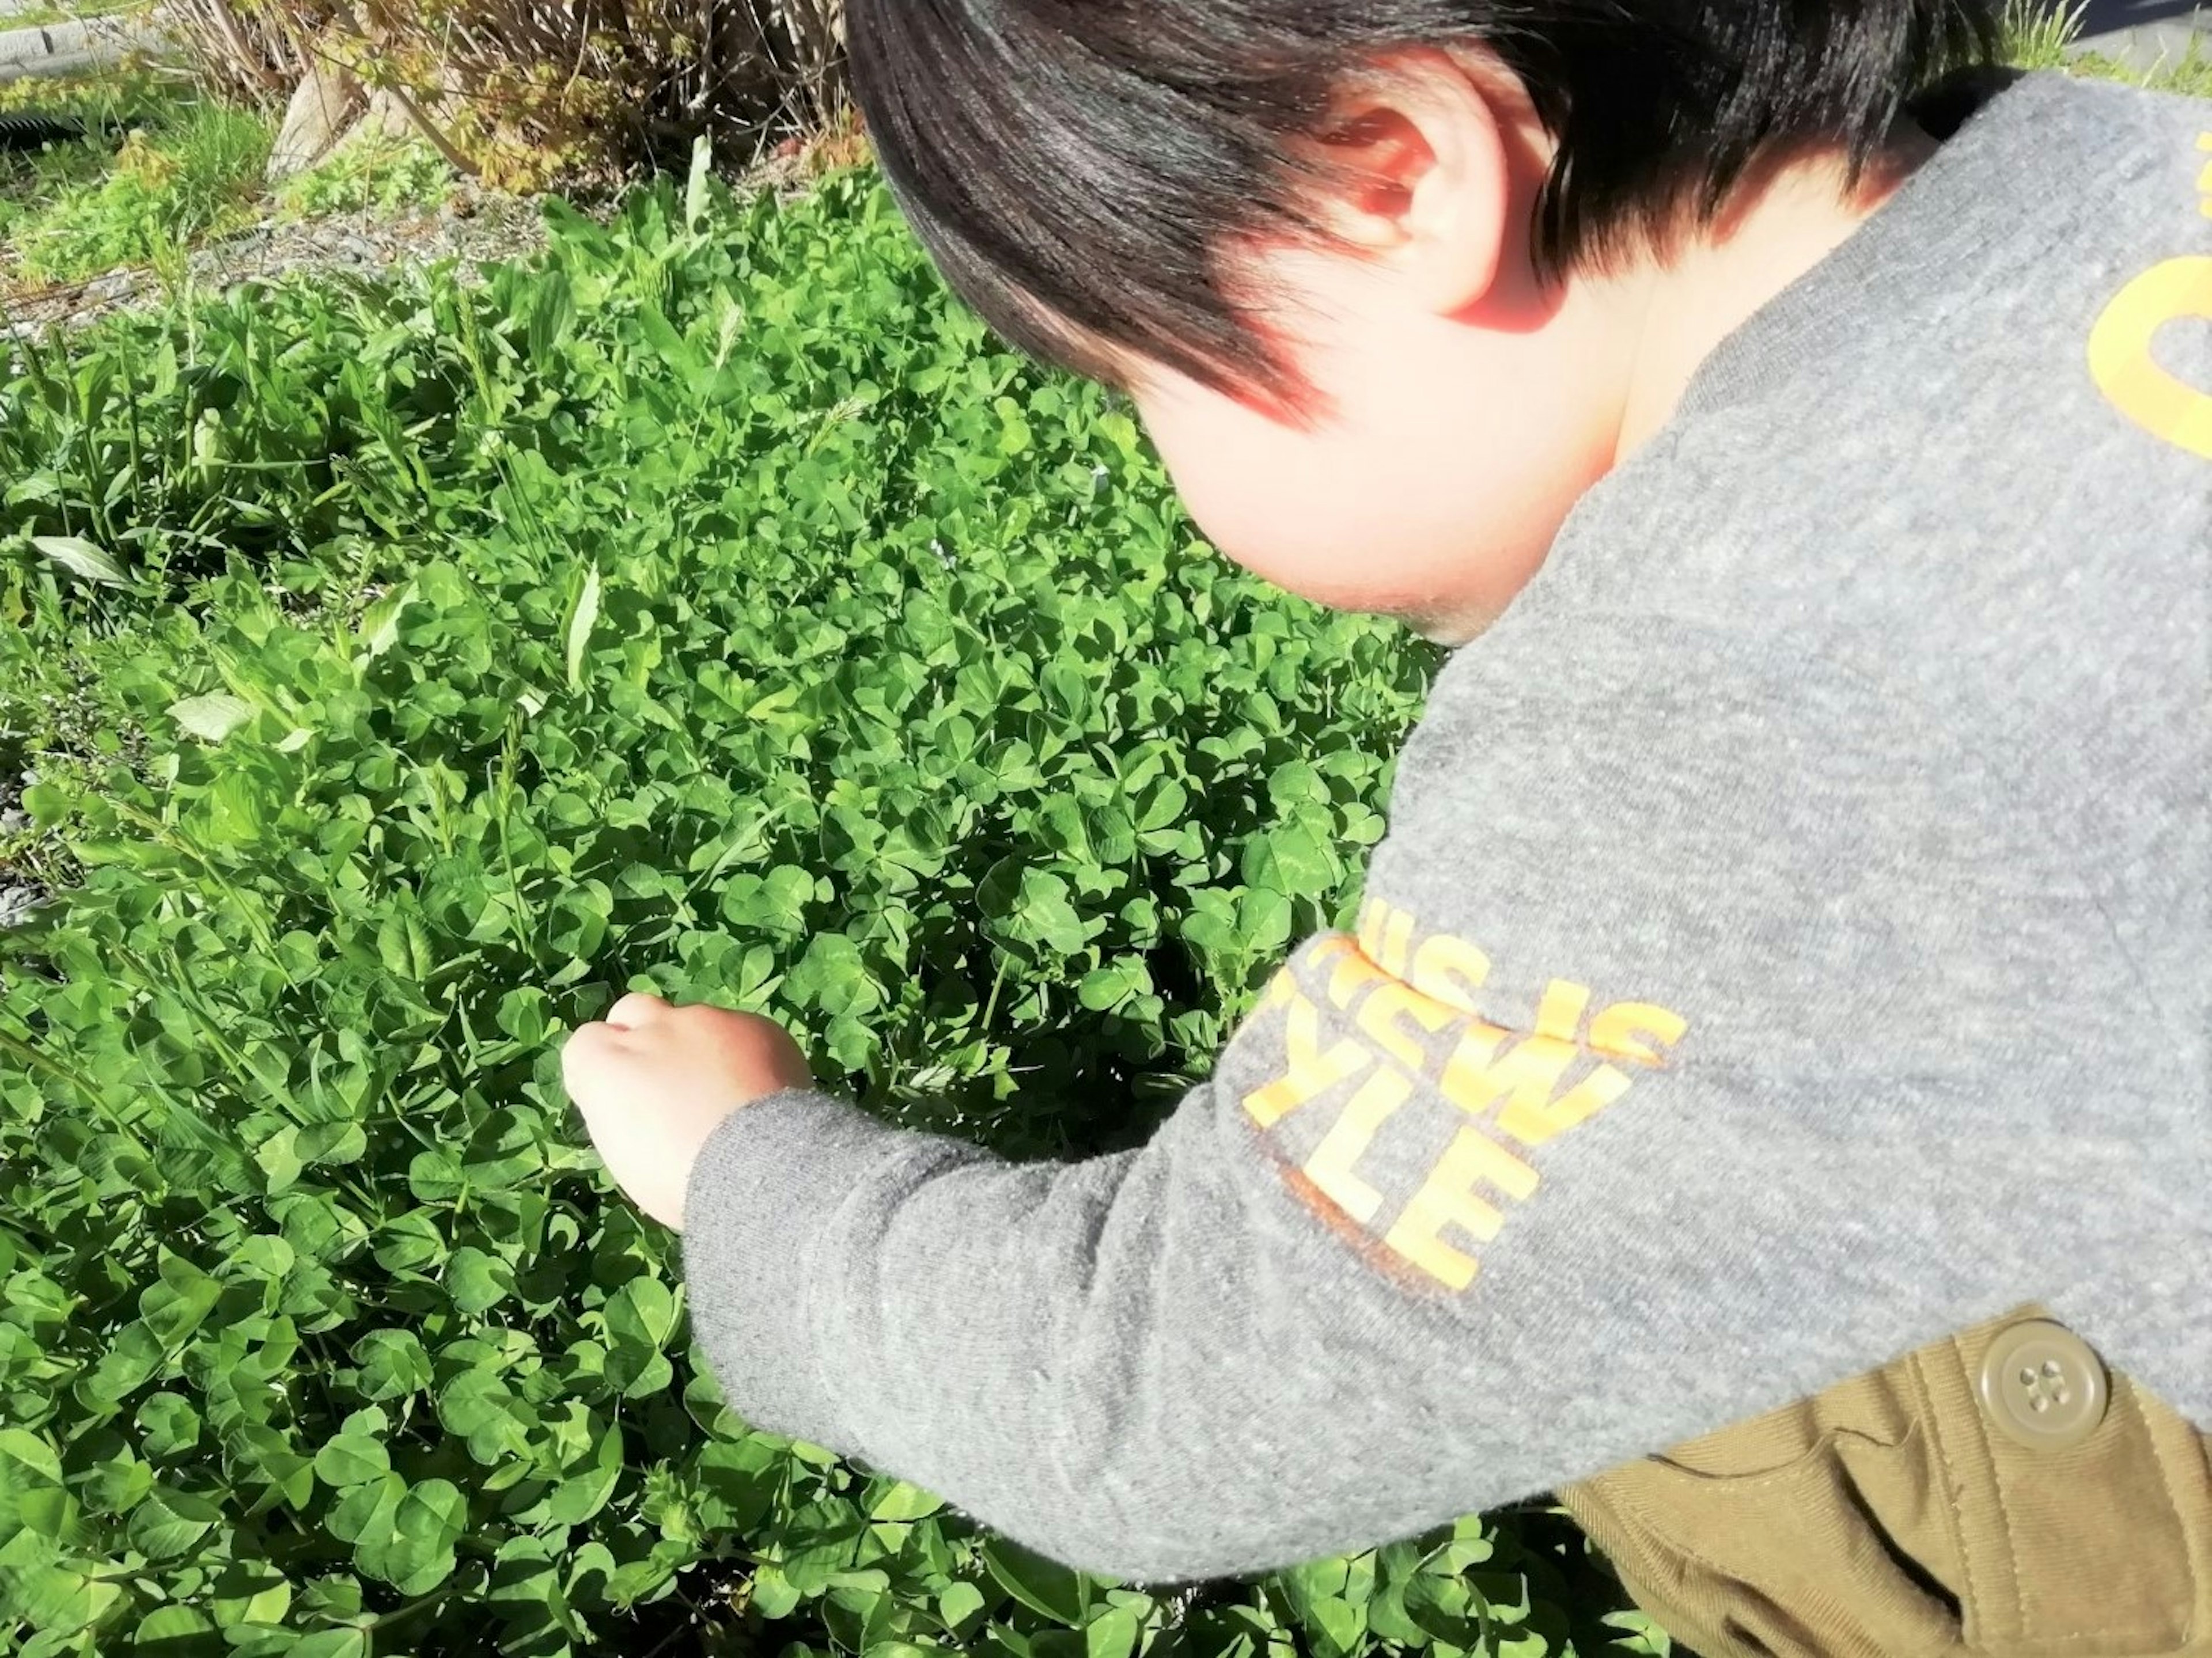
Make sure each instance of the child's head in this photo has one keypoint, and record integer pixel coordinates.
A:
(1381, 276)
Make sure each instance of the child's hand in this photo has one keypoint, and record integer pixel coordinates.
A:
(653, 1081)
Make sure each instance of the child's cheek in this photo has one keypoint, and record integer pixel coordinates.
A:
(1332, 516)
(1283, 503)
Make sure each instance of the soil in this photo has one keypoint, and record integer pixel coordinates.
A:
(472, 228)
(18, 892)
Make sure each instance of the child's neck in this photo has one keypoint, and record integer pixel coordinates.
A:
(1791, 217)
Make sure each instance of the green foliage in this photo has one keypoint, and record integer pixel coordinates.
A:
(45, 15)
(707, 608)
(2037, 32)
(2042, 34)
(113, 102)
(2190, 73)
(386, 175)
(181, 169)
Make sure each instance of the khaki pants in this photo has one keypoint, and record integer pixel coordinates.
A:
(1895, 1515)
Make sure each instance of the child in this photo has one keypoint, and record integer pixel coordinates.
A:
(1778, 1016)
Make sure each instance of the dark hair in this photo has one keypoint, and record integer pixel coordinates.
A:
(1073, 166)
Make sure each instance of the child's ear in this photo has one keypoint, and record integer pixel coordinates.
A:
(1422, 181)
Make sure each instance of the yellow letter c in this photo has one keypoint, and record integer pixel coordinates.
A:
(2120, 360)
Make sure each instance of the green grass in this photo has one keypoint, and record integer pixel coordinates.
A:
(168, 169)
(2188, 74)
(158, 193)
(2041, 35)
(70, 12)
(163, 167)
(381, 174)
(2038, 32)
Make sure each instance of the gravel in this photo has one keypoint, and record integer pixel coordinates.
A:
(18, 895)
(473, 228)
(17, 899)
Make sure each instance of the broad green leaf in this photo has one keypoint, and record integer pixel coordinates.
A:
(80, 557)
(580, 623)
(265, 1256)
(380, 624)
(672, 348)
(830, 1530)
(694, 188)
(271, 1459)
(477, 1406)
(1387, 1616)
(585, 1491)
(117, 1483)
(1106, 987)
(50, 1512)
(479, 1281)
(638, 1372)
(392, 1364)
(960, 1607)
(772, 1593)
(169, 1522)
(831, 976)
(133, 1358)
(168, 1623)
(434, 1177)
(1639, 1634)
(1044, 1586)
(904, 1501)
(635, 1579)
(739, 1482)
(409, 1240)
(1111, 1634)
(253, 1592)
(178, 1302)
(1342, 1624)
(522, 1015)
(351, 1460)
(1444, 1606)
(366, 1512)
(417, 1555)
(1316, 1578)
(642, 1311)
(57, 1600)
(211, 719)
(24, 1453)
(350, 1642)
(1045, 912)
(172, 1425)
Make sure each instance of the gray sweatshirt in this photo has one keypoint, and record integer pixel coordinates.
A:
(1791, 945)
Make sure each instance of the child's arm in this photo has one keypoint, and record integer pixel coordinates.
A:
(1709, 1037)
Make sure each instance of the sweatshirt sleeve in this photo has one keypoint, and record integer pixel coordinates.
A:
(1712, 1030)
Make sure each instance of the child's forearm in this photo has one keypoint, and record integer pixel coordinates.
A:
(1149, 1364)
(1445, 1230)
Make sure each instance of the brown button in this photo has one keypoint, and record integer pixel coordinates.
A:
(2042, 1386)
